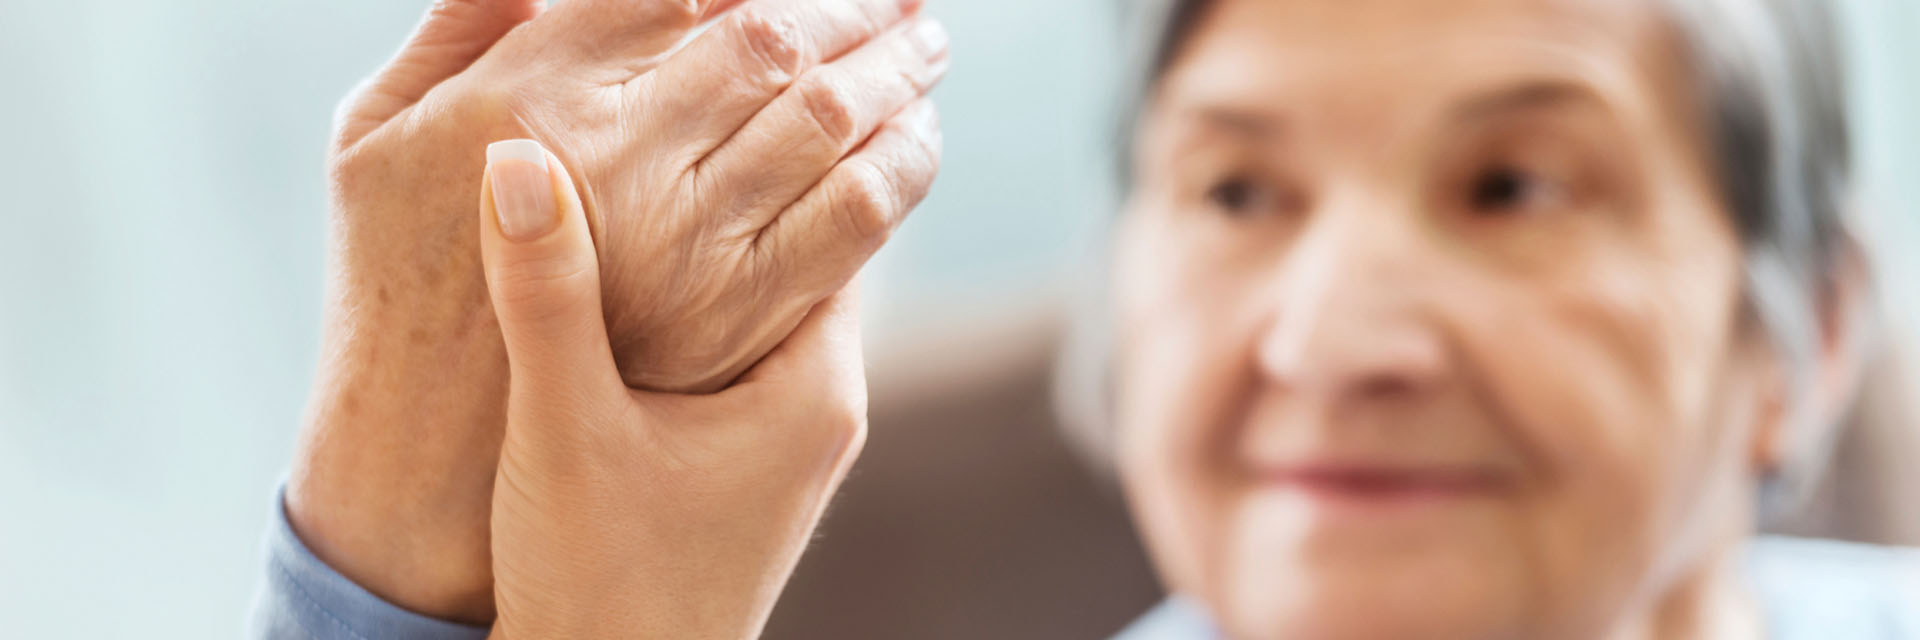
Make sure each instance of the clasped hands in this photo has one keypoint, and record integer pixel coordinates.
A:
(601, 380)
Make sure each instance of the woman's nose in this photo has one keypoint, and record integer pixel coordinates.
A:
(1346, 320)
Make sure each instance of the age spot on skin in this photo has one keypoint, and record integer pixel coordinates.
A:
(350, 405)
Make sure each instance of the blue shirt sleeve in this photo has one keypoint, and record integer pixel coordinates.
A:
(302, 597)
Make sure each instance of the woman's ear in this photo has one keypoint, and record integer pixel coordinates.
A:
(1771, 416)
(1844, 327)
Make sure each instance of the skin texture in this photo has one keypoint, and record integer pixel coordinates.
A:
(1430, 325)
(623, 513)
(709, 257)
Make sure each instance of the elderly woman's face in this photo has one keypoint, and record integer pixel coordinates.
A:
(1430, 322)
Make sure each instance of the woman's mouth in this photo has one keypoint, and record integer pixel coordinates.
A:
(1381, 485)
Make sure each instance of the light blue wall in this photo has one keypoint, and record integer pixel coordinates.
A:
(1886, 61)
(160, 248)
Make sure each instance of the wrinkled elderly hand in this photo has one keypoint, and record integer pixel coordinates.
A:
(632, 514)
(731, 184)
(718, 177)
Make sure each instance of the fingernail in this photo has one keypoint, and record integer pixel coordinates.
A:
(522, 189)
(927, 120)
(930, 37)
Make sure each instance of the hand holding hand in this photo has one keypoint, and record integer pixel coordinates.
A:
(731, 185)
(624, 513)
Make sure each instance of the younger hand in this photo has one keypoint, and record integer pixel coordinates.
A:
(625, 513)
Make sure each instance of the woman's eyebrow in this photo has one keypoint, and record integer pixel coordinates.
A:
(1526, 96)
(1218, 126)
(1234, 122)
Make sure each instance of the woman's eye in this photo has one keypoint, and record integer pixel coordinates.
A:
(1241, 197)
(1510, 190)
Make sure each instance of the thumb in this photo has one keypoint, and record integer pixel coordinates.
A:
(542, 272)
(449, 37)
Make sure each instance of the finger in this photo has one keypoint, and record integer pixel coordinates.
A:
(728, 74)
(449, 37)
(822, 241)
(542, 272)
(828, 112)
(626, 37)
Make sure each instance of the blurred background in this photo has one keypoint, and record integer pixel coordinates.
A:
(160, 275)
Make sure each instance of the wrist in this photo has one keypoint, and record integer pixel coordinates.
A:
(394, 468)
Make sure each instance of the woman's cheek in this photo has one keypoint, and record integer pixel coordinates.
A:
(1177, 370)
(1572, 375)
(1162, 450)
(1182, 371)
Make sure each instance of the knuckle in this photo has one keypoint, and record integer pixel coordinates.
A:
(774, 40)
(867, 201)
(679, 13)
(537, 288)
(828, 106)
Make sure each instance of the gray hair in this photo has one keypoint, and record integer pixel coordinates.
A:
(1773, 97)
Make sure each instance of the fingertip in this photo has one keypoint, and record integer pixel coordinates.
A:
(518, 149)
(930, 38)
(521, 178)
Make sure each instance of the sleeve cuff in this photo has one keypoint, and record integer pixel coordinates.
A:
(302, 597)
